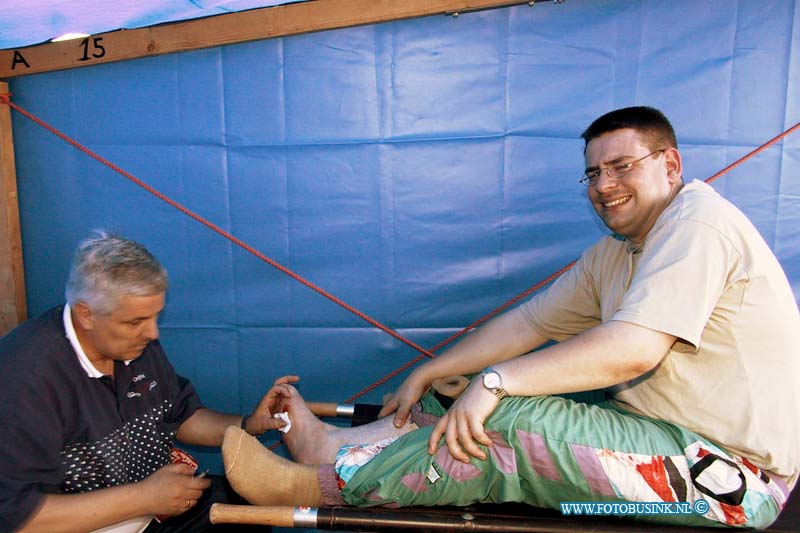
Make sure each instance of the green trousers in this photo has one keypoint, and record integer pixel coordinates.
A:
(549, 451)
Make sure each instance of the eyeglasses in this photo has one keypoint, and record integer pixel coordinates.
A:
(615, 171)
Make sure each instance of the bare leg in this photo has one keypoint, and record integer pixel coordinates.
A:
(313, 442)
(264, 478)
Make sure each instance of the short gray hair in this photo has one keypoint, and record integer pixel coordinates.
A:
(106, 267)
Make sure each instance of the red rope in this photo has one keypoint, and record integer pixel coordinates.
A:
(458, 334)
(754, 152)
(545, 281)
(6, 98)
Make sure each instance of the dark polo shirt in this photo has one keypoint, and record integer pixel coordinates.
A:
(62, 431)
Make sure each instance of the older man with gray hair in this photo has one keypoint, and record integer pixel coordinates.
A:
(92, 408)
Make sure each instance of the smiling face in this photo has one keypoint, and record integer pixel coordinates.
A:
(121, 335)
(631, 204)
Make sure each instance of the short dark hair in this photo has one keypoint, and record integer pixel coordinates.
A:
(651, 124)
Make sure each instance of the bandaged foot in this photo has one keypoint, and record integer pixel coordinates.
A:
(264, 478)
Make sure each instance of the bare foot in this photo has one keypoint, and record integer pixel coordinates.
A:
(313, 442)
(310, 441)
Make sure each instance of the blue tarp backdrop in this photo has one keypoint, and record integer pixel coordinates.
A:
(424, 171)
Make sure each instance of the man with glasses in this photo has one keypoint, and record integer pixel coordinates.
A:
(683, 313)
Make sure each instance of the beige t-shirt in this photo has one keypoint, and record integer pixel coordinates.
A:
(704, 275)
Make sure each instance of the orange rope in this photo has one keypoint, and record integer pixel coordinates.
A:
(458, 334)
(546, 280)
(754, 152)
(6, 98)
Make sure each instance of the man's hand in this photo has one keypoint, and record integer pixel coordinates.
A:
(169, 491)
(173, 489)
(409, 393)
(262, 419)
(462, 425)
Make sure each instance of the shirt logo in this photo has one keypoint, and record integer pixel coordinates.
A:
(141, 385)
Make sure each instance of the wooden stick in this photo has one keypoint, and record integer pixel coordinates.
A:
(426, 519)
(12, 277)
(279, 516)
(323, 409)
(251, 25)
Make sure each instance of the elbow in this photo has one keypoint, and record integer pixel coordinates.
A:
(643, 362)
(640, 367)
(646, 349)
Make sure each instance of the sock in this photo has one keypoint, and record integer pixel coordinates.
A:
(264, 478)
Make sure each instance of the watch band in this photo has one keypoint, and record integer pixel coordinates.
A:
(500, 392)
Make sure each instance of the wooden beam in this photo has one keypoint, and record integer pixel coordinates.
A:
(12, 280)
(256, 24)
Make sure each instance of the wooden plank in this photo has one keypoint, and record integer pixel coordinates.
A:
(12, 281)
(264, 23)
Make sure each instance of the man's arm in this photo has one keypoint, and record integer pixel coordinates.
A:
(169, 491)
(605, 355)
(502, 338)
(206, 427)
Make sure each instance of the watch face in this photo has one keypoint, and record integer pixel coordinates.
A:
(492, 380)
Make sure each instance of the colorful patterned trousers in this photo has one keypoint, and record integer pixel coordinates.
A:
(549, 450)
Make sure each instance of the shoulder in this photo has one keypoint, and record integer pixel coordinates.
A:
(38, 335)
(699, 202)
(35, 352)
(699, 212)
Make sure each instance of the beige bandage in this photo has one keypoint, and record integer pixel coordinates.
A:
(264, 478)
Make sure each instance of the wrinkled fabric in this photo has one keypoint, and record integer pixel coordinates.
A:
(549, 450)
(424, 171)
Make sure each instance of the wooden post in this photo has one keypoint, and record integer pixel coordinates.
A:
(250, 25)
(12, 281)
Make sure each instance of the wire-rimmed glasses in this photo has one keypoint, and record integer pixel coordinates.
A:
(590, 177)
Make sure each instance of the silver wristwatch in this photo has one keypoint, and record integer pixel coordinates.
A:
(493, 382)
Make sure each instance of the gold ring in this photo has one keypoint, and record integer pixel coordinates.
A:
(188, 503)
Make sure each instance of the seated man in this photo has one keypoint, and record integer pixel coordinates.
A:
(92, 408)
(683, 312)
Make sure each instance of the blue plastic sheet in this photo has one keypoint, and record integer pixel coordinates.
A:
(424, 171)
